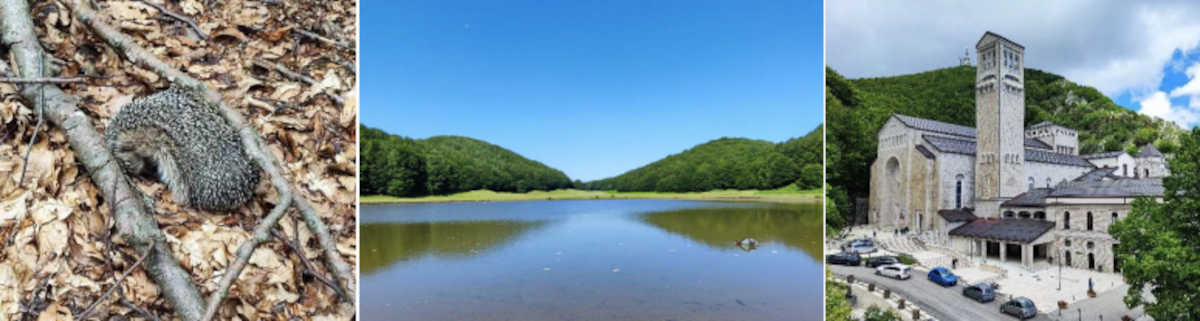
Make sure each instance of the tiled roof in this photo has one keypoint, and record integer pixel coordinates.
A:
(957, 215)
(1017, 230)
(1044, 123)
(925, 152)
(1149, 151)
(1042, 156)
(1034, 143)
(1098, 174)
(967, 147)
(936, 126)
(1033, 198)
(1101, 155)
(1124, 187)
(956, 130)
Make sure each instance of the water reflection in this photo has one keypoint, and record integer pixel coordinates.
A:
(746, 228)
(389, 243)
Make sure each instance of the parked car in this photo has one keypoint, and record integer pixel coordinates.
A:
(860, 246)
(844, 258)
(981, 292)
(942, 276)
(1021, 307)
(896, 271)
(874, 262)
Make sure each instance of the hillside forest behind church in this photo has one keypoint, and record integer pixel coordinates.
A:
(856, 109)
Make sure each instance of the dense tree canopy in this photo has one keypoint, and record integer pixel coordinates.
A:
(1160, 242)
(401, 166)
(727, 163)
(857, 108)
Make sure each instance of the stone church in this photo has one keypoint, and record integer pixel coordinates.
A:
(1003, 190)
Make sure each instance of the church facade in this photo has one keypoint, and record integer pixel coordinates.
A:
(1003, 190)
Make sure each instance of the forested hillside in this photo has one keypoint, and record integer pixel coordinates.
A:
(401, 166)
(857, 108)
(727, 163)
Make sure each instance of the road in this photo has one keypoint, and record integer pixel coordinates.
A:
(943, 303)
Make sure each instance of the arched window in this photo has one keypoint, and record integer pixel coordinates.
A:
(1089, 221)
(1008, 214)
(1047, 182)
(1039, 215)
(1147, 173)
(1023, 214)
(958, 191)
(1066, 220)
(1125, 170)
(1136, 172)
(1114, 221)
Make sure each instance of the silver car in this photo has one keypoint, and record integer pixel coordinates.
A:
(859, 246)
(895, 271)
(1021, 307)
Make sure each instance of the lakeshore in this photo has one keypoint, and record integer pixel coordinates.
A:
(787, 194)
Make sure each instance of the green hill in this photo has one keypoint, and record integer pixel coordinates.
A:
(857, 108)
(402, 166)
(727, 163)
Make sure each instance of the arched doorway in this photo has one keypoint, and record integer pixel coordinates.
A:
(891, 208)
(1091, 261)
(1067, 255)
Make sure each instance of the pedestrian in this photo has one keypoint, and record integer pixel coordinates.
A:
(1090, 284)
(954, 263)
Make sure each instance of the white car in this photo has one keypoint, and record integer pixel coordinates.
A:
(896, 271)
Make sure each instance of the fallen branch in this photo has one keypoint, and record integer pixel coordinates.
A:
(255, 148)
(192, 24)
(313, 35)
(43, 80)
(296, 76)
(134, 224)
(116, 285)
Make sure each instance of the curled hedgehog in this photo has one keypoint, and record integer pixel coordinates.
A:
(181, 139)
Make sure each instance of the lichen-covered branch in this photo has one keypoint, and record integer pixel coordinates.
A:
(133, 220)
(255, 148)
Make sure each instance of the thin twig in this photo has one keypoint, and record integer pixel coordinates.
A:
(313, 35)
(43, 80)
(243, 256)
(296, 76)
(116, 285)
(139, 310)
(179, 17)
(41, 119)
(295, 247)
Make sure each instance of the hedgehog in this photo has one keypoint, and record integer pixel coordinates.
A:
(180, 139)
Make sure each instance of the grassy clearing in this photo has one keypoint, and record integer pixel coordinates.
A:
(787, 194)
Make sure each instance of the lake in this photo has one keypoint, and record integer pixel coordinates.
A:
(591, 260)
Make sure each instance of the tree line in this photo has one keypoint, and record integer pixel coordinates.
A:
(405, 167)
(727, 163)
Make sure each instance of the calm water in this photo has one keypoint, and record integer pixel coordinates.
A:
(591, 260)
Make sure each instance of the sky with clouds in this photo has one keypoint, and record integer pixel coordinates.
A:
(1143, 54)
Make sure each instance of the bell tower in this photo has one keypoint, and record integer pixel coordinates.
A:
(1000, 121)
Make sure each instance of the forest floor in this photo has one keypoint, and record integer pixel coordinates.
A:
(788, 194)
(60, 250)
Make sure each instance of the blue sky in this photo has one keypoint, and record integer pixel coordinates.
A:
(1143, 54)
(592, 88)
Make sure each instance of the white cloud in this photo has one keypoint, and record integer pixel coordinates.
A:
(1116, 46)
(1158, 104)
(1192, 87)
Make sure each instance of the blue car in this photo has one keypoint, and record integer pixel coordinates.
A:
(943, 276)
